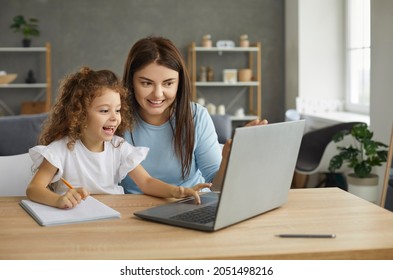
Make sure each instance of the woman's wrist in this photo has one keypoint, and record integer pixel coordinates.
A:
(178, 192)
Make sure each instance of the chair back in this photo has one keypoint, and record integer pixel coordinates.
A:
(317, 148)
(15, 174)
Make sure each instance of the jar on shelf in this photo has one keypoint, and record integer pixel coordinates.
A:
(244, 42)
(221, 110)
(207, 41)
(203, 74)
(210, 74)
(211, 108)
(245, 75)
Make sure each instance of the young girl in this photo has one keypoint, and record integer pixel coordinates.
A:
(81, 143)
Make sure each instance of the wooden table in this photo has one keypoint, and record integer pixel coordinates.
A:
(364, 231)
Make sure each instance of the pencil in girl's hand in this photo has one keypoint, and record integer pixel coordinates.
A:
(65, 182)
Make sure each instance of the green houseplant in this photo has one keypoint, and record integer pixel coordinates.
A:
(361, 156)
(28, 28)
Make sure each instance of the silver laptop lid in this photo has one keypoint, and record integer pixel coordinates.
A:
(259, 172)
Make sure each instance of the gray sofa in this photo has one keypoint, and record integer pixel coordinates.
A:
(223, 126)
(19, 133)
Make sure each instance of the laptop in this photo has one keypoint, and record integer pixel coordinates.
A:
(257, 179)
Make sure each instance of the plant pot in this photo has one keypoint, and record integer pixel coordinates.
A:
(26, 43)
(366, 188)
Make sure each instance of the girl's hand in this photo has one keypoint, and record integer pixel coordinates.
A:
(194, 191)
(71, 198)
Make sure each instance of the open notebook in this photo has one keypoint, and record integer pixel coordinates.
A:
(89, 209)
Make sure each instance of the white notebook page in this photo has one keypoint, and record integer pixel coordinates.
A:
(89, 209)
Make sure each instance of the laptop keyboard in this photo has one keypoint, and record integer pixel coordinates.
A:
(201, 215)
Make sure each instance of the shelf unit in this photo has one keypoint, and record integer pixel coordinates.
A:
(254, 87)
(47, 85)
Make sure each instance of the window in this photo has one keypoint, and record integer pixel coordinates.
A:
(358, 56)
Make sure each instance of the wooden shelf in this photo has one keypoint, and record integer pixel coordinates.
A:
(48, 76)
(234, 49)
(224, 84)
(35, 85)
(254, 87)
(244, 118)
(29, 49)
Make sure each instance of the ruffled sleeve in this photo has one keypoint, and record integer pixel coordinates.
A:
(131, 157)
(38, 153)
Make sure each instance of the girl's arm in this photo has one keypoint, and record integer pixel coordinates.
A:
(37, 189)
(155, 187)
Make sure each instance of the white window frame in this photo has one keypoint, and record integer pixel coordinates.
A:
(361, 48)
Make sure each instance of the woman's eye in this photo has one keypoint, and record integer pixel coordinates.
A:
(169, 84)
(104, 111)
(146, 84)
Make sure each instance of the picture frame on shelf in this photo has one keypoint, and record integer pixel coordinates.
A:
(230, 76)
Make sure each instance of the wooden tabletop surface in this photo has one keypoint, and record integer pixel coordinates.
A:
(363, 231)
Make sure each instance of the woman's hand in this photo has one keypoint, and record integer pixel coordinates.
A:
(257, 122)
(194, 191)
(72, 198)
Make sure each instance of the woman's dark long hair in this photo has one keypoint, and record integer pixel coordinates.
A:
(163, 52)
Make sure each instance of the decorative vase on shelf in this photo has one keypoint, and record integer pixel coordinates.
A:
(30, 78)
(210, 74)
(206, 41)
(203, 74)
(26, 43)
(244, 43)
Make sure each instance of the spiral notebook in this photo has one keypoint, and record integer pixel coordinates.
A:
(88, 210)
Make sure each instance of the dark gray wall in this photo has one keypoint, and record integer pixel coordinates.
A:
(99, 33)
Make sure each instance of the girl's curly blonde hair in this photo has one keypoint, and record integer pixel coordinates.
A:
(76, 93)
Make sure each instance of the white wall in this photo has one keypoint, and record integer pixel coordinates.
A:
(315, 49)
(381, 100)
(381, 103)
(321, 48)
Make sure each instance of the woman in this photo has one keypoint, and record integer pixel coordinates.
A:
(184, 149)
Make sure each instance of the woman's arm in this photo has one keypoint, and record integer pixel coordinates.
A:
(37, 189)
(208, 152)
(152, 186)
(219, 177)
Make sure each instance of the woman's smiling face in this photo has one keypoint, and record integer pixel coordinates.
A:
(155, 88)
